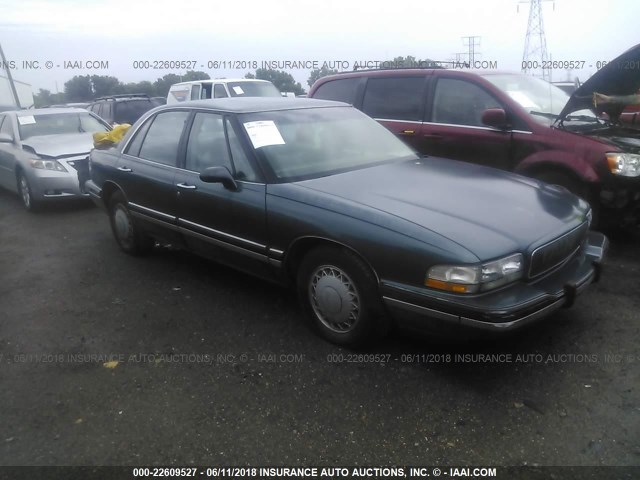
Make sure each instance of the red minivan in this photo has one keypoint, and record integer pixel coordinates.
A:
(513, 122)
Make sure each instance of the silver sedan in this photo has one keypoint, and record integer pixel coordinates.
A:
(43, 152)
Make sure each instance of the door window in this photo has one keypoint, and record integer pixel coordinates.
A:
(243, 168)
(195, 92)
(207, 145)
(459, 102)
(219, 91)
(343, 90)
(394, 98)
(162, 140)
(5, 126)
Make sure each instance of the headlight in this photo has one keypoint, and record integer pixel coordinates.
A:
(475, 278)
(47, 165)
(625, 164)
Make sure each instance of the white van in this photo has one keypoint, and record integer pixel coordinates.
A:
(221, 88)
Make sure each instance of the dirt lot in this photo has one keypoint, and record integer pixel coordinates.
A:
(216, 367)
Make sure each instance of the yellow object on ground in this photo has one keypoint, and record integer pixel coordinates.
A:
(108, 139)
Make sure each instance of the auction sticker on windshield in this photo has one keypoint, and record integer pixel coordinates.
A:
(26, 120)
(263, 133)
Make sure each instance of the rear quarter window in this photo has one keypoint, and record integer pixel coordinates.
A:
(343, 90)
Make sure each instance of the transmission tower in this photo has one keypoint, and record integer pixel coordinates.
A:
(471, 43)
(535, 57)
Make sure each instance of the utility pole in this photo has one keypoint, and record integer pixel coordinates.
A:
(11, 84)
(535, 57)
(471, 42)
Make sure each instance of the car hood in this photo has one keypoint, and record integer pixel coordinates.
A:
(488, 212)
(57, 146)
(626, 139)
(618, 77)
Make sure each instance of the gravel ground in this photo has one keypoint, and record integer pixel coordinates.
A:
(215, 367)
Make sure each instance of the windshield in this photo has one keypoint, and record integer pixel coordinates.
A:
(58, 124)
(544, 100)
(253, 89)
(316, 142)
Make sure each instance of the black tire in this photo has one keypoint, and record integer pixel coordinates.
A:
(349, 312)
(125, 230)
(26, 194)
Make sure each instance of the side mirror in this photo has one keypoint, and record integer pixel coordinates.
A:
(219, 175)
(495, 117)
(6, 138)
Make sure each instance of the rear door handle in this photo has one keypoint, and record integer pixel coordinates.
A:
(186, 186)
(125, 169)
(407, 132)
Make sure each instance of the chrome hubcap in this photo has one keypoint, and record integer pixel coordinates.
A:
(121, 223)
(24, 191)
(334, 299)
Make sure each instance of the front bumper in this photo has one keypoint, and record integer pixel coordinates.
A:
(619, 200)
(53, 185)
(503, 310)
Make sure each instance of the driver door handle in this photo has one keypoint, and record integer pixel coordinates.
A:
(186, 186)
(125, 169)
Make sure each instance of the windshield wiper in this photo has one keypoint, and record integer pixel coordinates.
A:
(583, 118)
(552, 116)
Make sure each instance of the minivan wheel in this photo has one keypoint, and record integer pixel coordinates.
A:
(26, 194)
(339, 293)
(128, 235)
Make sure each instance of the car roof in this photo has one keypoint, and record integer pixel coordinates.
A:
(47, 111)
(254, 104)
(222, 80)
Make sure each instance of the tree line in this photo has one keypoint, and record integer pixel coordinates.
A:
(85, 88)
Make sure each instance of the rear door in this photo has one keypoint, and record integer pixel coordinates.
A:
(397, 103)
(147, 169)
(453, 127)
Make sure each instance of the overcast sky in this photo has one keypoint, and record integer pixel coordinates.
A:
(122, 32)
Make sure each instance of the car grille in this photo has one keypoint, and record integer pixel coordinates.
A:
(558, 251)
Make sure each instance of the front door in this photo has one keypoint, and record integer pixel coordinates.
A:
(454, 129)
(228, 225)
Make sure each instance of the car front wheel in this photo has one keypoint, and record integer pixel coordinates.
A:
(26, 194)
(340, 294)
(128, 235)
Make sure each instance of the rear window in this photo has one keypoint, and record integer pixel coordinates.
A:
(343, 90)
(394, 98)
(131, 110)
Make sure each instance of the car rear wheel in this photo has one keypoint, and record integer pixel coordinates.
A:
(339, 293)
(125, 230)
(26, 194)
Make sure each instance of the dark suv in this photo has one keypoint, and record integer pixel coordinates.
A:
(512, 122)
(127, 108)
